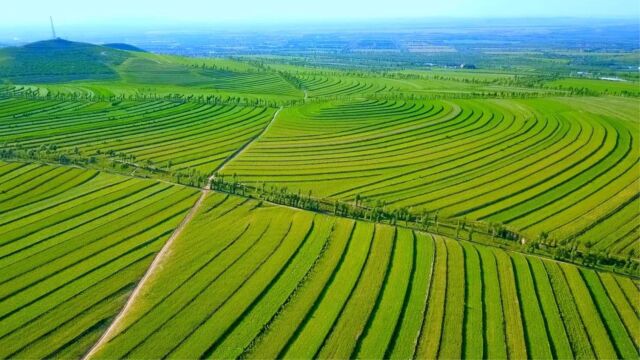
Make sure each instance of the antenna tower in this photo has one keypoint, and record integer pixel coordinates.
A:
(53, 29)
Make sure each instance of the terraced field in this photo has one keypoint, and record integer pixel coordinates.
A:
(323, 86)
(344, 86)
(73, 244)
(253, 280)
(563, 166)
(185, 135)
(99, 265)
(152, 69)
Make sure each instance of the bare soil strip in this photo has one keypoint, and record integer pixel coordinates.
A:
(164, 252)
(150, 271)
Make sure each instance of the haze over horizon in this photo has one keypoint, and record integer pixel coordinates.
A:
(75, 12)
(119, 20)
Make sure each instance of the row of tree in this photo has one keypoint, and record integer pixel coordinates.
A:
(568, 249)
(210, 99)
(357, 209)
(111, 160)
(571, 250)
(438, 96)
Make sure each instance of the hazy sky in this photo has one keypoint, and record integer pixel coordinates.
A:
(71, 12)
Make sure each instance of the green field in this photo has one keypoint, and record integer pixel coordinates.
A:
(177, 136)
(73, 245)
(156, 206)
(288, 283)
(567, 168)
(550, 165)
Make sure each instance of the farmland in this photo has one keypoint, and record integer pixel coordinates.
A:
(439, 156)
(543, 165)
(165, 135)
(356, 204)
(287, 283)
(74, 244)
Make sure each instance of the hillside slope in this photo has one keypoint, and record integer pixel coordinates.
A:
(59, 60)
(122, 46)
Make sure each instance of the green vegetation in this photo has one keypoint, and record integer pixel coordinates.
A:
(546, 166)
(179, 141)
(271, 207)
(285, 282)
(74, 244)
(58, 61)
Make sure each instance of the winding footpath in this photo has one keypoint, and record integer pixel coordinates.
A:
(242, 148)
(166, 249)
(147, 275)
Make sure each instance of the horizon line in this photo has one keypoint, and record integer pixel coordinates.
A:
(143, 21)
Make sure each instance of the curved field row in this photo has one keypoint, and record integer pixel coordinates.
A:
(255, 83)
(73, 244)
(185, 135)
(544, 165)
(158, 70)
(253, 280)
(322, 86)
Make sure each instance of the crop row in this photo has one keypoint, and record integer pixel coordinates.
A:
(73, 244)
(253, 280)
(161, 71)
(168, 135)
(318, 86)
(544, 165)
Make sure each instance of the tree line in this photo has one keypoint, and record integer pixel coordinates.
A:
(489, 233)
(495, 234)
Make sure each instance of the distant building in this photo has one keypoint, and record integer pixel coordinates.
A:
(467, 66)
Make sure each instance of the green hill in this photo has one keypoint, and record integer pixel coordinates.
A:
(65, 67)
(59, 60)
(122, 46)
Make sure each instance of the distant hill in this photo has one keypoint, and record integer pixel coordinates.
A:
(59, 60)
(121, 46)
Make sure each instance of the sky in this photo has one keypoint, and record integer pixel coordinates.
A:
(82, 12)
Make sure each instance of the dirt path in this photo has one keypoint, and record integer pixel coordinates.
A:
(242, 149)
(167, 246)
(166, 249)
